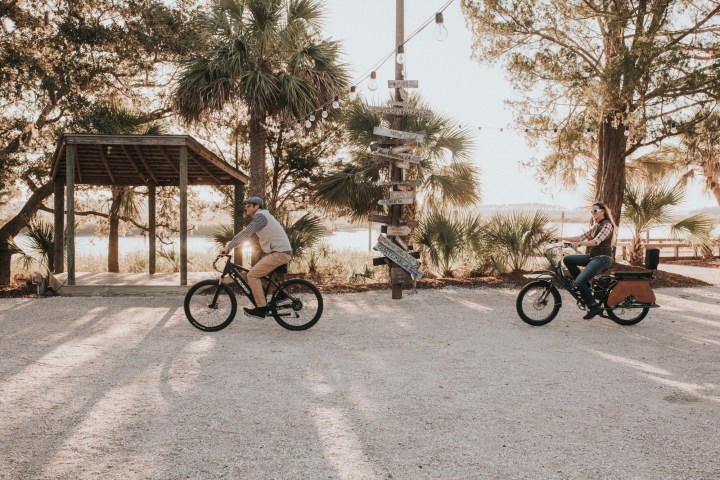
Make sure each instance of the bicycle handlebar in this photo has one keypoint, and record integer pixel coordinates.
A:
(218, 258)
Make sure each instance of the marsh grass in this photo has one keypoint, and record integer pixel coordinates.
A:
(322, 262)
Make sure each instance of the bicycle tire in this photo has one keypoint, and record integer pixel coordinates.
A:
(540, 303)
(199, 311)
(615, 315)
(296, 305)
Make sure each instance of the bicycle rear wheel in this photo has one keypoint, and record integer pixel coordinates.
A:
(210, 306)
(297, 304)
(626, 316)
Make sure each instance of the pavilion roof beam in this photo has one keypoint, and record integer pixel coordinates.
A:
(207, 170)
(106, 163)
(169, 160)
(132, 162)
(145, 164)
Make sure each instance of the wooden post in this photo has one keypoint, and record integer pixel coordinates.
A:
(70, 156)
(396, 174)
(152, 227)
(238, 212)
(59, 207)
(183, 213)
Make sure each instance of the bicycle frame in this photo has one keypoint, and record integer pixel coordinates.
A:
(556, 275)
(233, 270)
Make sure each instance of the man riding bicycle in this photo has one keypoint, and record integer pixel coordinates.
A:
(275, 246)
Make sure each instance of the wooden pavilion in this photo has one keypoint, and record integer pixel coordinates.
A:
(134, 160)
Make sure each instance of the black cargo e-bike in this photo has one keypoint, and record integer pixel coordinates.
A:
(626, 297)
(210, 305)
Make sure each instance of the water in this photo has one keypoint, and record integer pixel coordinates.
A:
(356, 239)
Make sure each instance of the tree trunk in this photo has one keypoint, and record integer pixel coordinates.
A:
(257, 157)
(610, 175)
(12, 228)
(113, 239)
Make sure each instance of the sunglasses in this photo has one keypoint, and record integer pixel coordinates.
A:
(595, 210)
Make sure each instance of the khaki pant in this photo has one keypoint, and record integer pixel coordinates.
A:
(267, 264)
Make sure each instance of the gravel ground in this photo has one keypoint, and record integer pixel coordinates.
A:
(444, 384)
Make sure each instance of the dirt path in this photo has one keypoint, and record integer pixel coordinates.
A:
(445, 384)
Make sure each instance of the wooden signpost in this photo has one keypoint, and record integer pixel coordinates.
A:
(394, 148)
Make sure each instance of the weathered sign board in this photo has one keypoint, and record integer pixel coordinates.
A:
(405, 157)
(395, 201)
(395, 194)
(403, 84)
(398, 256)
(389, 132)
(401, 230)
(406, 183)
(410, 112)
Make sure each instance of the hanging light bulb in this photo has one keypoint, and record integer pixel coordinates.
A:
(353, 93)
(441, 32)
(372, 85)
(297, 126)
(626, 132)
(312, 117)
(324, 113)
(308, 123)
(400, 57)
(336, 102)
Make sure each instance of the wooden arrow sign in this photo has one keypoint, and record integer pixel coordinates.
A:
(402, 84)
(406, 183)
(410, 112)
(398, 230)
(389, 132)
(395, 201)
(402, 258)
(395, 194)
(405, 157)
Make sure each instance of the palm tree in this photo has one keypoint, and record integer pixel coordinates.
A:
(268, 55)
(355, 187)
(443, 238)
(511, 241)
(645, 207)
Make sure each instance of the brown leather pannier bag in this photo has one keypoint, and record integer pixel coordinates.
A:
(638, 288)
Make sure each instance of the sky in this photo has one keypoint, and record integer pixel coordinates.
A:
(457, 86)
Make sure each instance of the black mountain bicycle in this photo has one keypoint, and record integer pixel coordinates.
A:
(210, 305)
(627, 297)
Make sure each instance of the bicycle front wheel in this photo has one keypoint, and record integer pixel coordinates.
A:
(538, 303)
(210, 306)
(297, 304)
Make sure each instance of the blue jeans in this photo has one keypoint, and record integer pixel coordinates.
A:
(593, 266)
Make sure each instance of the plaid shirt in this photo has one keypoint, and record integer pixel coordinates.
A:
(257, 223)
(605, 231)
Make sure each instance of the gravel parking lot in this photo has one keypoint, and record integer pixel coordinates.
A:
(444, 384)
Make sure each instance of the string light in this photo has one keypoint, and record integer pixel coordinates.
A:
(400, 57)
(441, 32)
(372, 84)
